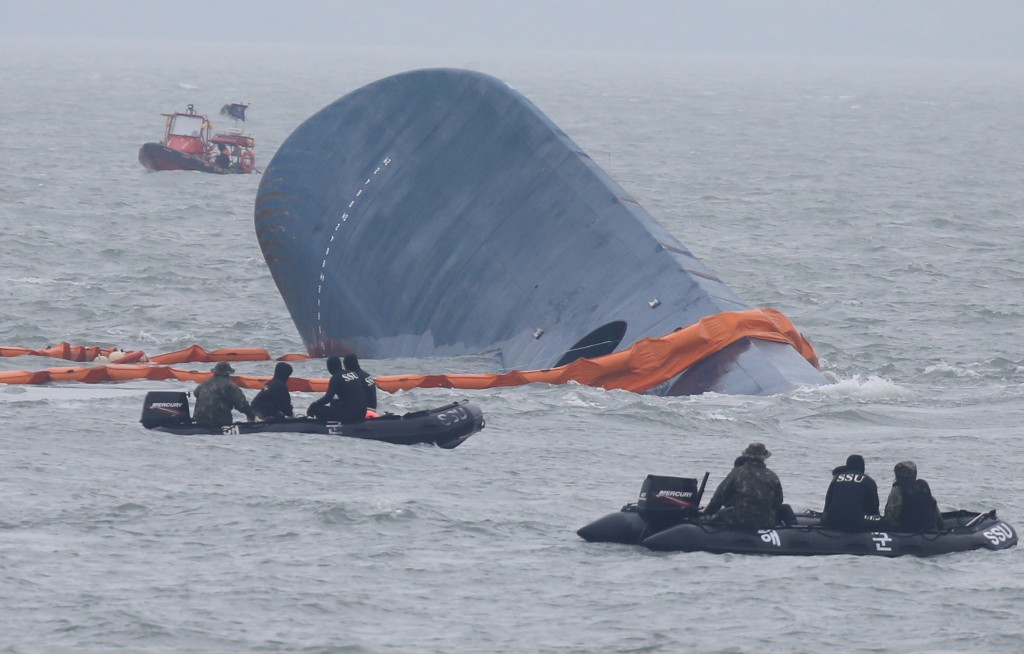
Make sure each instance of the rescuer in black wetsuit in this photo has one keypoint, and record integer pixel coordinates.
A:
(370, 386)
(851, 496)
(223, 159)
(274, 402)
(910, 506)
(345, 400)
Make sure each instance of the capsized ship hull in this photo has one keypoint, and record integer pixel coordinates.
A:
(439, 213)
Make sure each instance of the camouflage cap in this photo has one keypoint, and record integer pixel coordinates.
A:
(905, 470)
(223, 368)
(757, 450)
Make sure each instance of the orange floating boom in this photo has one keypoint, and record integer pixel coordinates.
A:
(648, 363)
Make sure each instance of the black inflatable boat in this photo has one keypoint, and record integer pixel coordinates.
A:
(666, 518)
(446, 426)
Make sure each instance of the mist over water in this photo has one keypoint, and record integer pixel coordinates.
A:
(877, 204)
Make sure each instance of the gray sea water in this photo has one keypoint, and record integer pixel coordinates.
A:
(876, 203)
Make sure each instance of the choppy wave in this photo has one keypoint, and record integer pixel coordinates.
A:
(879, 211)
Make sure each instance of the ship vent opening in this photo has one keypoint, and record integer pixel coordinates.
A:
(599, 342)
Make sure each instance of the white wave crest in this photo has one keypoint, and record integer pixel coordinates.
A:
(41, 281)
(872, 387)
(945, 369)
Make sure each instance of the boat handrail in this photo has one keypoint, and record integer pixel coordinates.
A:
(979, 517)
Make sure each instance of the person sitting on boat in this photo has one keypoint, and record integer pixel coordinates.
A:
(351, 362)
(910, 506)
(851, 496)
(223, 159)
(217, 396)
(750, 496)
(345, 399)
(274, 402)
(784, 514)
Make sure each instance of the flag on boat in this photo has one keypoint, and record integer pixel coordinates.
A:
(234, 110)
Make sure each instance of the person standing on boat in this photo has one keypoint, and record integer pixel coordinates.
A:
(345, 399)
(274, 402)
(352, 365)
(910, 506)
(223, 159)
(217, 396)
(750, 496)
(851, 496)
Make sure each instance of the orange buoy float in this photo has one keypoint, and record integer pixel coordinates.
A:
(247, 160)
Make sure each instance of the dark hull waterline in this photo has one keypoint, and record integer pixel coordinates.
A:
(155, 156)
(440, 213)
(447, 427)
(963, 531)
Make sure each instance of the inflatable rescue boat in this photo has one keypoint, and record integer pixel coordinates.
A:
(666, 518)
(446, 426)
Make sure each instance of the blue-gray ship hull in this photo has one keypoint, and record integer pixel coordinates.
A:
(440, 213)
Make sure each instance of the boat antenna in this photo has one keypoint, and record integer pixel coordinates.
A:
(700, 493)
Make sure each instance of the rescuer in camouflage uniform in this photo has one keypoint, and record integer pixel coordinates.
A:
(910, 506)
(750, 495)
(216, 396)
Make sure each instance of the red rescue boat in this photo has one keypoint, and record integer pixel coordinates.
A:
(189, 145)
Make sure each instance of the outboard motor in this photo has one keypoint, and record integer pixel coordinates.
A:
(668, 501)
(165, 408)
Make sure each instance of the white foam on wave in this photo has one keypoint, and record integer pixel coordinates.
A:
(580, 396)
(41, 281)
(945, 369)
(871, 387)
(719, 416)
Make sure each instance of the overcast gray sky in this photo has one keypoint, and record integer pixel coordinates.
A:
(894, 28)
